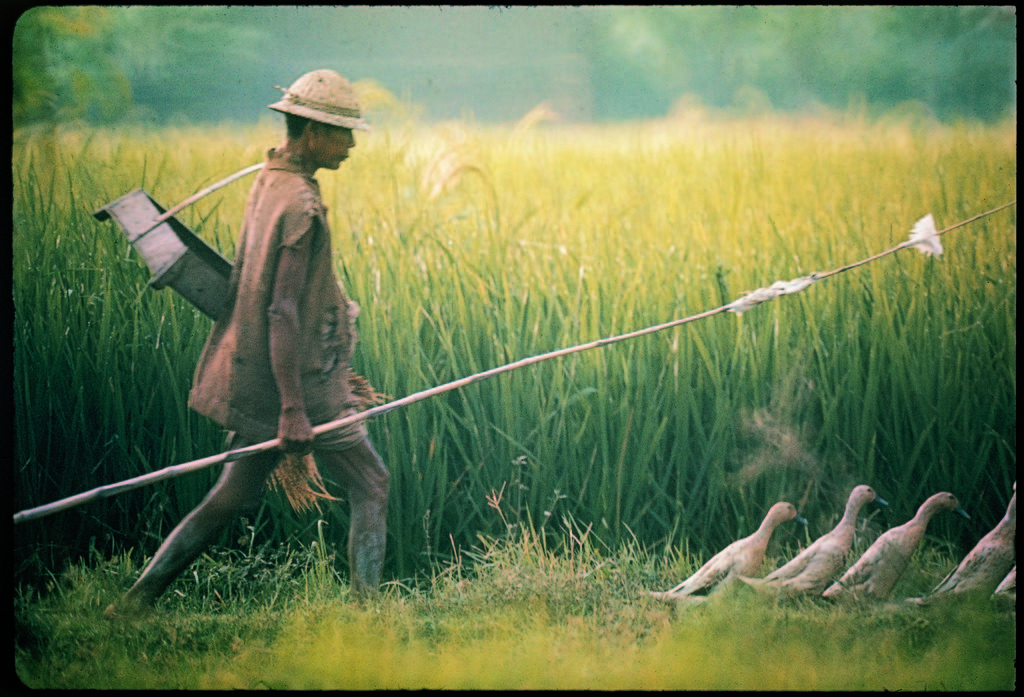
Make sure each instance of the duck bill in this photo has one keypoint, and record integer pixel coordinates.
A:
(961, 512)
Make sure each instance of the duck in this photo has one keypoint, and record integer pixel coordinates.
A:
(875, 574)
(987, 564)
(741, 558)
(813, 569)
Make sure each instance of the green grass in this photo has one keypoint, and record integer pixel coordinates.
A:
(520, 612)
(901, 375)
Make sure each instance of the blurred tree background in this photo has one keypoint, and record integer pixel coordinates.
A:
(164, 64)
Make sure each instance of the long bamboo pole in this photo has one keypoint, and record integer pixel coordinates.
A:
(108, 490)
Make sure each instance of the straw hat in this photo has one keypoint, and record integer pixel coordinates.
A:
(325, 96)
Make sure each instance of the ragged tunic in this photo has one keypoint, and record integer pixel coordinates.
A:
(234, 383)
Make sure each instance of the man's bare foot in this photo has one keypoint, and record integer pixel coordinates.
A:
(126, 609)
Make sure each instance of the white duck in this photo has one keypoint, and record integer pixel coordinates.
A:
(741, 558)
(988, 563)
(813, 569)
(876, 572)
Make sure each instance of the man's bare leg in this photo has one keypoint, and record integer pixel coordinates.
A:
(238, 490)
(362, 473)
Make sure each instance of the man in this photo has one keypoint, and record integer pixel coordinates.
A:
(277, 360)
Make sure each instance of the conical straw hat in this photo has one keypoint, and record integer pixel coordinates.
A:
(325, 96)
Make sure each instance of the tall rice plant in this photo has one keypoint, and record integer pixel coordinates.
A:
(469, 248)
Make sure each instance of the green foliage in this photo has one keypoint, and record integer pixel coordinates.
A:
(172, 64)
(62, 68)
(900, 375)
(176, 57)
(953, 61)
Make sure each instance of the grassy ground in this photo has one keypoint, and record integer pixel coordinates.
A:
(510, 615)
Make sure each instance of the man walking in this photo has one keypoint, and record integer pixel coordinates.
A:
(277, 361)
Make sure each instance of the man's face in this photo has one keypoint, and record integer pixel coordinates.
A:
(329, 145)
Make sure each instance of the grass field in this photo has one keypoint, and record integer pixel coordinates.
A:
(469, 248)
(512, 614)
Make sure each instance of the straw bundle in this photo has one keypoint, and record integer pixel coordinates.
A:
(297, 475)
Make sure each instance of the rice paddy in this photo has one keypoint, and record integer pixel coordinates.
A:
(468, 248)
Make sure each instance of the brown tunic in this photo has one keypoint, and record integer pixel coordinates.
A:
(234, 384)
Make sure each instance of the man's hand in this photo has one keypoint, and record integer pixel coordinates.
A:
(295, 432)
